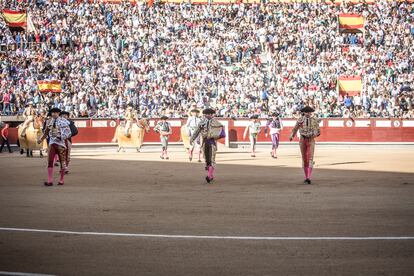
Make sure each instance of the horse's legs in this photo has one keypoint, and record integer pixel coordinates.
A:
(41, 153)
(31, 153)
(27, 152)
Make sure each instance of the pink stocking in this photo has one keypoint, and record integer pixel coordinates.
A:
(211, 172)
(62, 176)
(50, 175)
(309, 172)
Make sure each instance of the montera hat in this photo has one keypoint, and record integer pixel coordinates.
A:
(209, 111)
(307, 109)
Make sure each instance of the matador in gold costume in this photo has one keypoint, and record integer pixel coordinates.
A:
(308, 127)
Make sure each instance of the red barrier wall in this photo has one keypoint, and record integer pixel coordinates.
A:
(332, 130)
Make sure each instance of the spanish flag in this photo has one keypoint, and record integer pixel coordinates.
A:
(49, 86)
(350, 22)
(15, 19)
(350, 85)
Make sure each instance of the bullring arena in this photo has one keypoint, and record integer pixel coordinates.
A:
(132, 213)
(120, 81)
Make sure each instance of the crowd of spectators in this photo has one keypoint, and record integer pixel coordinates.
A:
(239, 59)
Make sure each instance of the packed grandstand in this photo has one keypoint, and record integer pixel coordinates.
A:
(95, 59)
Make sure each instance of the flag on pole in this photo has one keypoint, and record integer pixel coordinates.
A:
(49, 86)
(350, 85)
(15, 19)
(350, 23)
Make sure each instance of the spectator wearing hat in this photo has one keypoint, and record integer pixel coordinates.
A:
(210, 130)
(5, 138)
(191, 125)
(273, 127)
(308, 127)
(58, 130)
(253, 128)
(165, 130)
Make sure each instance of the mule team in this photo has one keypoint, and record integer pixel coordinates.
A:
(199, 134)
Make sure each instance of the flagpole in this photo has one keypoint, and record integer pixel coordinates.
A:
(363, 49)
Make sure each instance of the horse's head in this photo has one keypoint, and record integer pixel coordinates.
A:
(144, 122)
(38, 121)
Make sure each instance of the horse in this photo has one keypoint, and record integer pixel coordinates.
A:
(29, 143)
(136, 135)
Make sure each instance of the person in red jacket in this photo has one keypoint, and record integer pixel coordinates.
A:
(5, 138)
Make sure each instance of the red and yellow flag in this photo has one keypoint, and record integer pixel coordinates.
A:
(15, 18)
(49, 86)
(350, 85)
(351, 22)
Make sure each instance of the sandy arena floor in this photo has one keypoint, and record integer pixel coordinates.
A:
(245, 223)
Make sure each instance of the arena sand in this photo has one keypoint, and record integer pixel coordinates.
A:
(358, 191)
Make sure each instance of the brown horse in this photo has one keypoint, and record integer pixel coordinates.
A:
(136, 135)
(29, 143)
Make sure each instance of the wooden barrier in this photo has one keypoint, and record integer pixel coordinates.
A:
(332, 130)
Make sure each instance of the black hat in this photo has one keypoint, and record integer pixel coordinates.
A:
(275, 114)
(64, 113)
(55, 109)
(164, 117)
(209, 111)
(195, 110)
(254, 116)
(307, 109)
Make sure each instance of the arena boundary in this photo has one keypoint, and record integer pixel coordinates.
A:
(9, 273)
(236, 144)
(205, 237)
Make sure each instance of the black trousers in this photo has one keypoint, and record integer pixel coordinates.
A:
(5, 142)
(209, 151)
